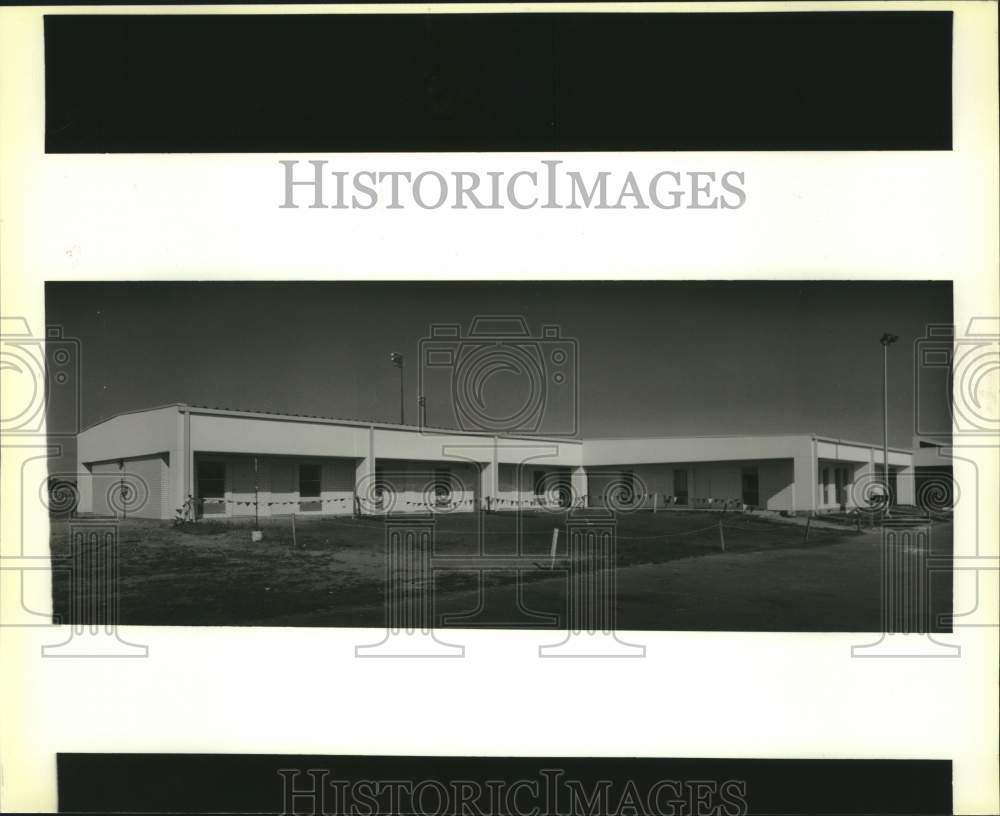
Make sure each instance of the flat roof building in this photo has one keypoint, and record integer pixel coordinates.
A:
(217, 462)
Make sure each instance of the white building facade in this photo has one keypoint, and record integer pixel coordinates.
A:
(211, 462)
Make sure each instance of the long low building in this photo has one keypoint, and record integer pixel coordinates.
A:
(215, 462)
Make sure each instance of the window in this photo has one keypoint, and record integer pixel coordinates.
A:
(310, 488)
(211, 480)
(212, 487)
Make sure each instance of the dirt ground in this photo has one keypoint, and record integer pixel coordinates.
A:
(672, 573)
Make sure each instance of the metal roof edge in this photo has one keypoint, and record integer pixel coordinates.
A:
(132, 411)
(364, 423)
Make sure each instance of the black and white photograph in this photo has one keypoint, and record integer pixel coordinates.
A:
(699, 456)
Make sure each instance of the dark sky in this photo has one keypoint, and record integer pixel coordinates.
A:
(654, 357)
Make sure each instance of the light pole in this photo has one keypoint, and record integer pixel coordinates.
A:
(397, 360)
(886, 340)
(256, 495)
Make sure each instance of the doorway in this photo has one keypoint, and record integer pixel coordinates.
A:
(751, 487)
(681, 486)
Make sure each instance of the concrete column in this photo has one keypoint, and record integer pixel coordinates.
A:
(804, 485)
(188, 454)
(364, 477)
(181, 476)
(850, 488)
(488, 479)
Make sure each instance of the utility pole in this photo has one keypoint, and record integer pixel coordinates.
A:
(397, 360)
(256, 495)
(886, 340)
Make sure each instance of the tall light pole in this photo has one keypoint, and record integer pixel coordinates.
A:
(256, 494)
(397, 360)
(886, 340)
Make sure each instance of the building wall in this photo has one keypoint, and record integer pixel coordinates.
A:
(853, 452)
(718, 481)
(163, 443)
(145, 480)
(777, 484)
(413, 445)
(410, 486)
(153, 434)
(129, 435)
(406, 486)
(835, 484)
(237, 434)
(653, 450)
(277, 482)
(516, 486)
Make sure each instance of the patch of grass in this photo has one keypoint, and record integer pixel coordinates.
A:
(201, 528)
(211, 573)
